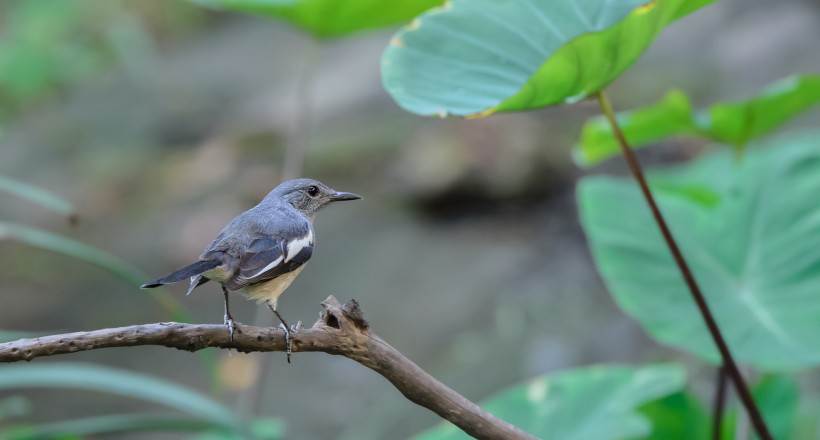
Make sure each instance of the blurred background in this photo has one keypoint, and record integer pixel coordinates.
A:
(159, 121)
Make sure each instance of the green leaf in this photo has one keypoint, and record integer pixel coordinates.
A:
(680, 416)
(777, 397)
(734, 123)
(125, 383)
(108, 425)
(476, 57)
(104, 260)
(330, 18)
(672, 115)
(262, 429)
(737, 123)
(755, 252)
(591, 403)
(66, 246)
(37, 195)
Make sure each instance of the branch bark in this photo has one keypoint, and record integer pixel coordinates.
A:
(340, 330)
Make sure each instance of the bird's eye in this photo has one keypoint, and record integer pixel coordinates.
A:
(313, 191)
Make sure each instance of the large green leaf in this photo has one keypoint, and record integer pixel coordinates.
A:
(475, 57)
(330, 18)
(734, 123)
(37, 195)
(754, 249)
(597, 403)
(125, 383)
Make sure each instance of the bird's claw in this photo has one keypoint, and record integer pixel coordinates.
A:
(231, 324)
(296, 328)
(288, 342)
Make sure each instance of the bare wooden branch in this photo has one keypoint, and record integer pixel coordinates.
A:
(340, 330)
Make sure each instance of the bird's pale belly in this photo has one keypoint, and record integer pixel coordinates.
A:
(269, 291)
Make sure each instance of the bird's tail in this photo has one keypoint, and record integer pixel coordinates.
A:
(185, 273)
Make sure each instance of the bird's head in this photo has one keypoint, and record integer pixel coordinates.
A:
(308, 195)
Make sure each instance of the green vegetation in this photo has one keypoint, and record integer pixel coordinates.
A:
(744, 211)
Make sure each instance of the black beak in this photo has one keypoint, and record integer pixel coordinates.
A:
(340, 196)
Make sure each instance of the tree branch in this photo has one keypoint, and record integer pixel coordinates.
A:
(340, 330)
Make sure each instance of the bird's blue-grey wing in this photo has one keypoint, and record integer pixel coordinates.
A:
(269, 257)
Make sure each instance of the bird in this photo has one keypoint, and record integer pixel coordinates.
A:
(261, 251)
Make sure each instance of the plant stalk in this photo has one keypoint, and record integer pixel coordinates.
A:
(728, 360)
(719, 403)
(296, 147)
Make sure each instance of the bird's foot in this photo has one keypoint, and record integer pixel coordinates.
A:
(288, 342)
(228, 321)
(296, 328)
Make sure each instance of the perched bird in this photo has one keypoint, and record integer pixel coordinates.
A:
(262, 250)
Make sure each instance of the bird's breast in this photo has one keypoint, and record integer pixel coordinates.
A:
(270, 290)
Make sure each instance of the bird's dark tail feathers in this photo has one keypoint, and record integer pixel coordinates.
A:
(184, 274)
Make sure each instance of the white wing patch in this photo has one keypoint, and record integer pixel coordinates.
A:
(295, 246)
(270, 266)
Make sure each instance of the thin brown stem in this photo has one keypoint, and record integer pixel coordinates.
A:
(296, 147)
(726, 355)
(299, 138)
(340, 330)
(719, 403)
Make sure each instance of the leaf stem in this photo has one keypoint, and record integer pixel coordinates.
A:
(297, 144)
(719, 403)
(298, 140)
(728, 360)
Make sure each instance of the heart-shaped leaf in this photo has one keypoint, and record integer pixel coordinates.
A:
(734, 123)
(330, 18)
(476, 57)
(597, 403)
(753, 245)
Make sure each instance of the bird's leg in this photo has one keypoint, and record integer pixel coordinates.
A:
(285, 328)
(227, 319)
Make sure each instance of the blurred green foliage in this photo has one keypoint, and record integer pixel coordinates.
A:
(749, 228)
(596, 403)
(49, 45)
(203, 413)
(679, 416)
(38, 195)
(330, 18)
(732, 123)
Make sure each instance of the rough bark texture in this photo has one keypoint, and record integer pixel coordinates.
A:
(340, 330)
